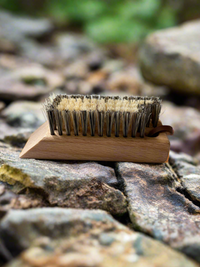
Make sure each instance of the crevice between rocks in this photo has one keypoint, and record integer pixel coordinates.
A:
(120, 180)
(184, 192)
(180, 189)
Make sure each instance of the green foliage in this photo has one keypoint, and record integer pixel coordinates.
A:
(113, 29)
(76, 11)
(108, 21)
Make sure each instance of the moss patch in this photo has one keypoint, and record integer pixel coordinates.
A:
(12, 175)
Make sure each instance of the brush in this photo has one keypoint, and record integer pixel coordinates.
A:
(103, 128)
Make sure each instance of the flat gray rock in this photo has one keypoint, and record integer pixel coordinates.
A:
(24, 114)
(28, 83)
(157, 206)
(64, 184)
(189, 175)
(70, 237)
(172, 57)
(15, 28)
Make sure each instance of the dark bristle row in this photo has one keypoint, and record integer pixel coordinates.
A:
(102, 116)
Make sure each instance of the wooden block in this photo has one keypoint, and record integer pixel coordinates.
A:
(42, 145)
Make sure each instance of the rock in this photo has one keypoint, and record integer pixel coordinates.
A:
(189, 174)
(7, 46)
(12, 88)
(184, 123)
(18, 139)
(10, 200)
(157, 206)
(12, 62)
(113, 65)
(28, 83)
(189, 145)
(68, 237)
(72, 46)
(182, 157)
(77, 185)
(95, 61)
(16, 32)
(43, 54)
(6, 146)
(13, 25)
(37, 75)
(96, 77)
(77, 86)
(149, 89)
(6, 129)
(25, 114)
(186, 126)
(171, 57)
(123, 81)
(16, 29)
(76, 70)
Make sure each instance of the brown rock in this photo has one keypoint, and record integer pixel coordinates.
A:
(77, 185)
(10, 200)
(90, 195)
(157, 207)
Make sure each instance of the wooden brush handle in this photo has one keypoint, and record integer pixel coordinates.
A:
(43, 145)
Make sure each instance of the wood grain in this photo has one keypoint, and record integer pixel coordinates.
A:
(42, 145)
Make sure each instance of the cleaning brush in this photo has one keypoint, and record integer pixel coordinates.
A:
(75, 112)
(95, 127)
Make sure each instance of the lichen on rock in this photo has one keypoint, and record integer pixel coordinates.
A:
(86, 185)
(70, 237)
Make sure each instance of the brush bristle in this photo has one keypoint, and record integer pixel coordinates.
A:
(127, 116)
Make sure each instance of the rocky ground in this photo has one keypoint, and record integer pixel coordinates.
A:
(97, 214)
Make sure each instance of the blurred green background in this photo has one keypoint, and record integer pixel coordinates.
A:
(111, 21)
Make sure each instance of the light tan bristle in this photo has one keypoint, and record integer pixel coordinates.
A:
(140, 102)
(133, 106)
(126, 105)
(85, 104)
(78, 104)
(63, 104)
(149, 101)
(93, 104)
(101, 105)
(71, 104)
(110, 105)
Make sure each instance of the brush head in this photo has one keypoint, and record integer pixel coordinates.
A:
(102, 115)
